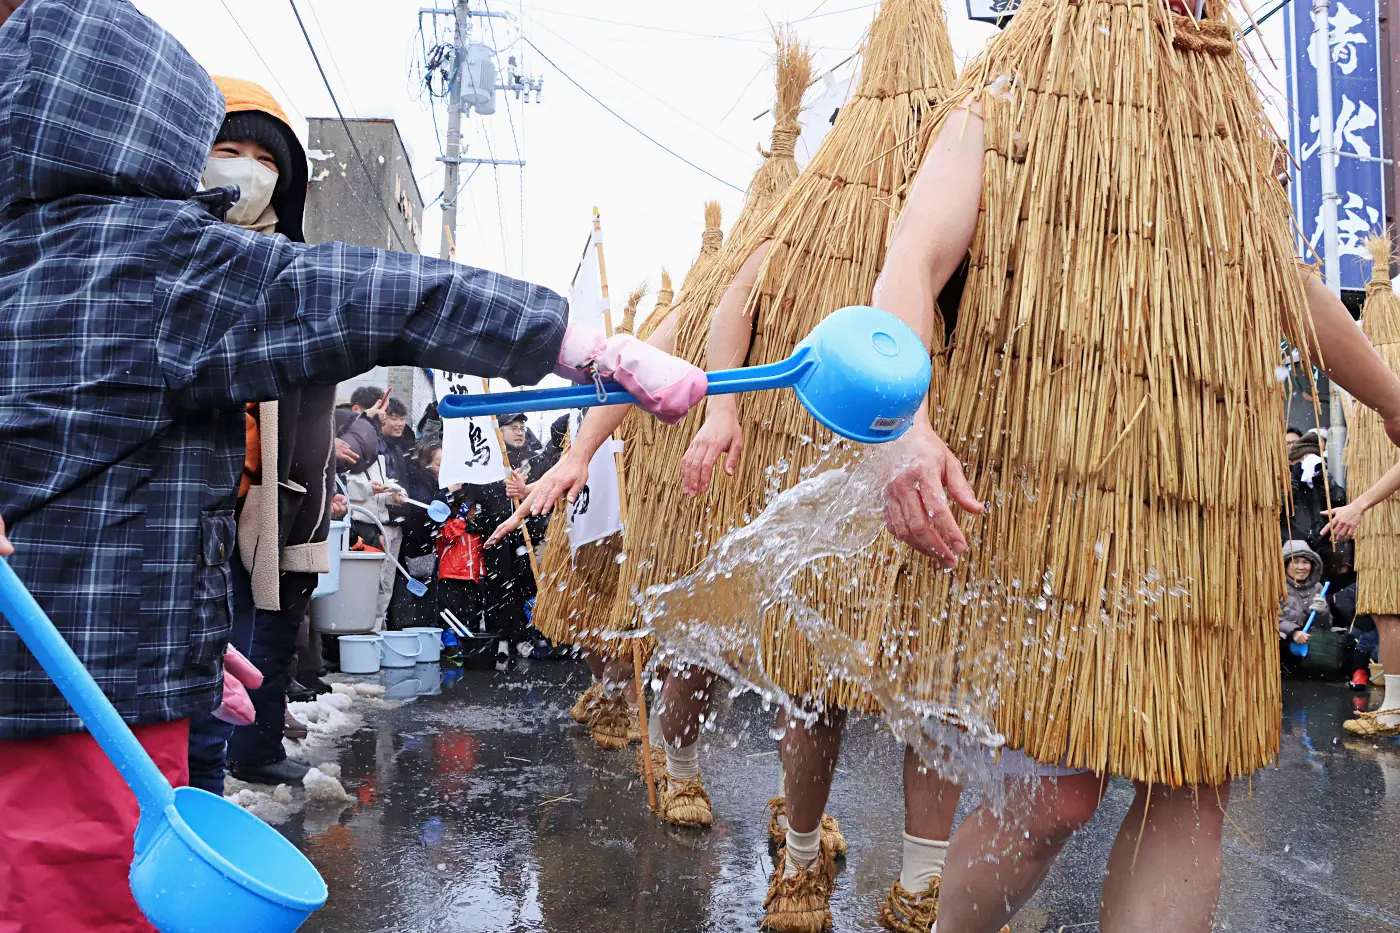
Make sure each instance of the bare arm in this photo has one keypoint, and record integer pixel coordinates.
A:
(1345, 519)
(731, 335)
(934, 235)
(1348, 357)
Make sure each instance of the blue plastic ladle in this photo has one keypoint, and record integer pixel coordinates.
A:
(1301, 651)
(861, 372)
(203, 864)
(416, 588)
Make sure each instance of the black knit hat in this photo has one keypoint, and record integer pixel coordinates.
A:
(252, 126)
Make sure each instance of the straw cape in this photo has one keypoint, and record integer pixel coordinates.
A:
(650, 483)
(828, 237)
(577, 584)
(1370, 453)
(1111, 388)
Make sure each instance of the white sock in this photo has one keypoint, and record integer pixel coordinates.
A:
(612, 691)
(683, 764)
(802, 850)
(923, 861)
(1391, 701)
(654, 735)
(782, 792)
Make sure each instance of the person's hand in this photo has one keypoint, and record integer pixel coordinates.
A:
(400, 498)
(6, 548)
(722, 435)
(382, 489)
(1343, 522)
(516, 487)
(340, 506)
(567, 477)
(1319, 604)
(377, 411)
(1301, 637)
(916, 498)
(239, 674)
(344, 453)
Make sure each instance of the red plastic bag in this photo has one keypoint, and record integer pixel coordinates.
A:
(459, 553)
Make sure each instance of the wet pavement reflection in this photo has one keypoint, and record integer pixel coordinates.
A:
(482, 807)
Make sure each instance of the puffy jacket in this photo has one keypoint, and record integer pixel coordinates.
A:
(1297, 604)
(136, 324)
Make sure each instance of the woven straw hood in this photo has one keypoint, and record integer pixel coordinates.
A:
(828, 236)
(1111, 387)
(1370, 452)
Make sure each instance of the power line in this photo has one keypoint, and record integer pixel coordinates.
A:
(632, 126)
(349, 135)
(491, 24)
(272, 74)
(330, 50)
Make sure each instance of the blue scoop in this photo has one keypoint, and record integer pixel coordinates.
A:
(203, 864)
(1301, 651)
(862, 372)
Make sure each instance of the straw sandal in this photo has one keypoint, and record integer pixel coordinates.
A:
(1370, 726)
(831, 828)
(685, 803)
(611, 727)
(904, 912)
(658, 760)
(802, 903)
(582, 711)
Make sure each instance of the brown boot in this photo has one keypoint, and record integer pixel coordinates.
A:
(802, 903)
(610, 727)
(292, 727)
(903, 912)
(582, 711)
(831, 828)
(685, 803)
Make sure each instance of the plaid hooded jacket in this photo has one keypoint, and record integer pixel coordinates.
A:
(134, 325)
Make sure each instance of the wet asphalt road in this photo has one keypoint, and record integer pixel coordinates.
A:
(485, 808)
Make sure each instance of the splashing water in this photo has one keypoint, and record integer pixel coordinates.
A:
(713, 618)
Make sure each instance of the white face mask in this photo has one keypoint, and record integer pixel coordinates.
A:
(254, 181)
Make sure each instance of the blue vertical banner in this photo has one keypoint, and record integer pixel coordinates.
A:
(1355, 39)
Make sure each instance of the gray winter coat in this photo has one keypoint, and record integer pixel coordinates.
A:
(1297, 605)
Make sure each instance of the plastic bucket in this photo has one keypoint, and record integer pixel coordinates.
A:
(359, 654)
(401, 683)
(431, 639)
(350, 609)
(328, 583)
(399, 649)
(429, 680)
(206, 865)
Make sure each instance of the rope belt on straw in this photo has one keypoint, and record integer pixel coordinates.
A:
(784, 142)
(711, 238)
(1213, 37)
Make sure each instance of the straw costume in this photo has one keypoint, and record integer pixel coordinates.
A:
(1111, 388)
(1369, 455)
(577, 586)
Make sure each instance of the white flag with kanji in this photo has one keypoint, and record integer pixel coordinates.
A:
(597, 512)
(471, 451)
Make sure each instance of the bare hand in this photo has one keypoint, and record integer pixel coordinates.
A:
(567, 477)
(721, 436)
(376, 411)
(916, 499)
(1343, 522)
(1301, 637)
(516, 487)
(6, 548)
(340, 506)
(381, 489)
(344, 453)
(399, 498)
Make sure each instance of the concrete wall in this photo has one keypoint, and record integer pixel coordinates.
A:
(343, 206)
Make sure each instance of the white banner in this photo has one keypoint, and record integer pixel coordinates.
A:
(470, 451)
(586, 301)
(820, 108)
(597, 512)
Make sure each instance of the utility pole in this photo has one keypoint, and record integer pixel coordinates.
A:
(457, 108)
(1331, 242)
(461, 32)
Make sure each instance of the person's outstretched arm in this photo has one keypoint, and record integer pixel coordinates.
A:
(731, 335)
(245, 317)
(934, 235)
(1347, 356)
(1344, 520)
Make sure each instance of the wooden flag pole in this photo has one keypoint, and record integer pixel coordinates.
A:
(642, 726)
(602, 273)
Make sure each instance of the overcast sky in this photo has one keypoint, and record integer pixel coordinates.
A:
(691, 75)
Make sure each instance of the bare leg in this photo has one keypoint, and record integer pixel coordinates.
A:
(617, 672)
(995, 865)
(809, 761)
(595, 664)
(685, 698)
(1164, 871)
(930, 803)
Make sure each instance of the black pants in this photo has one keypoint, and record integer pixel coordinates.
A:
(209, 736)
(274, 647)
